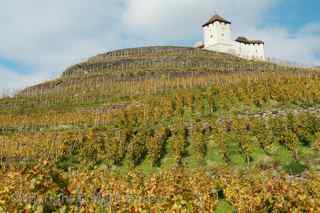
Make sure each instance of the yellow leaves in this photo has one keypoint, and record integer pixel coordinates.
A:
(5, 190)
(39, 209)
(180, 190)
(13, 175)
(178, 146)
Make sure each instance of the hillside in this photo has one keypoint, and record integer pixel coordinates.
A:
(151, 62)
(164, 129)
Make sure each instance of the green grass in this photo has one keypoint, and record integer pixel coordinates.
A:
(279, 156)
(295, 167)
(213, 157)
(282, 155)
(257, 153)
(146, 167)
(224, 207)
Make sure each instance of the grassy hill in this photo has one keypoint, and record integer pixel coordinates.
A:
(150, 62)
(164, 129)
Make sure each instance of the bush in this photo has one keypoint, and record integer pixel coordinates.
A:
(295, 167)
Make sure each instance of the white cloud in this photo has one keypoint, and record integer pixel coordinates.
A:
(11, 80)
(55, 26)
(50, 35)
(40, 32)
(300, 46)
(183, 18)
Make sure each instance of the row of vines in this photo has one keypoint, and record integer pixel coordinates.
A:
(198, 97)
(46, 189)
(134, 138)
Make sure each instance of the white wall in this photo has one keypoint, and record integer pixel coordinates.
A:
(223, 47)
(250, 51)
(217, 32)
(261, 54)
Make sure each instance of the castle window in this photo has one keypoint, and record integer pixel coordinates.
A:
(222, 34)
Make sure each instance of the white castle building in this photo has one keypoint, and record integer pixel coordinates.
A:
(217, 37)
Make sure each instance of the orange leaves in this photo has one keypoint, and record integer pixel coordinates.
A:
(264, 192)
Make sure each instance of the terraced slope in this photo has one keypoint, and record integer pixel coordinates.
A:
(129, 60)
(151, 62)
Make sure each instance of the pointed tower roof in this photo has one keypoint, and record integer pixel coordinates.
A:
(216, 18)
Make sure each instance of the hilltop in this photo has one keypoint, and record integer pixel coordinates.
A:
(151, 62)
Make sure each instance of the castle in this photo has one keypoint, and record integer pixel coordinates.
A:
(217, 37)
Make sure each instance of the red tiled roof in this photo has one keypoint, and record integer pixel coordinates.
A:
(216, 18)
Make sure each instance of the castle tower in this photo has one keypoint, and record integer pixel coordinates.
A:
(217, 35)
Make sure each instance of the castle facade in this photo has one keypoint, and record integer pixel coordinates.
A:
(217, 37)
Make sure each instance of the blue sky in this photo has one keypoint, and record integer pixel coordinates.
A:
(40, 38)
(11, 64)
(294, 14)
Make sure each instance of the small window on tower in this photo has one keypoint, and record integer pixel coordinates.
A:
(222, 34)
(211, 36)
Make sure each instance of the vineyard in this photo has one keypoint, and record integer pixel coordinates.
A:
(164, 129)
(148, 63)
